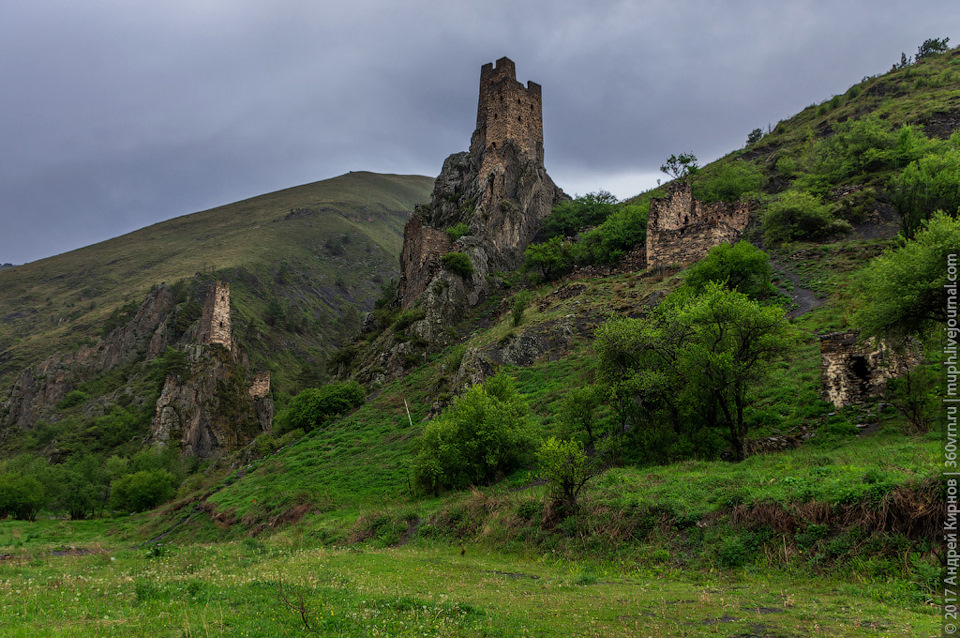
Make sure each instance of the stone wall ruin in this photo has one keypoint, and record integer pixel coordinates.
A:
(681, 229)
(851, 372)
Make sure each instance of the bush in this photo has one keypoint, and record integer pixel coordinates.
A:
(485, 434)
(74, 397)
(798, 215)
(728, 182)
(567, 469)
(741, 267)
(458, 230)
(520, 302)
(926, 185)
(315, 406)
(458, 264)
(610, 241)
(141, 490)
(407, 318)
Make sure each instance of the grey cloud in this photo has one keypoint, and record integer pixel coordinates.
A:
(114, 116)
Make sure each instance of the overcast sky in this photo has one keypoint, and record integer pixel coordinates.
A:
(115, 114)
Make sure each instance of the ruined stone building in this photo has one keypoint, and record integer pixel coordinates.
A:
(681, 229)
(215, 321)
(851, 372)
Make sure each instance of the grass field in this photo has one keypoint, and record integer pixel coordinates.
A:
(286, 587)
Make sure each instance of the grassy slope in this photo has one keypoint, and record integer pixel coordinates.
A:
(54, 304)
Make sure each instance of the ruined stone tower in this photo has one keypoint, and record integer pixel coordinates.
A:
(215, 321)
(500, 189)
(507, 110)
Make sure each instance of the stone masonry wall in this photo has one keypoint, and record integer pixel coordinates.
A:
(260, 387)
(420, 259)
(215, 321)
(851, 372)
(681, 229)
(507, 110)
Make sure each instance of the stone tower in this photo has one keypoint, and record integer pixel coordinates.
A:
(215, 321)
(507, 110)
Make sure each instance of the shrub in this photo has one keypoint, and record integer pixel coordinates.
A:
(553, 257)
(458, 230)
(926, 185)
(857, 146)
(315, 406)
(567, 469)
(610, 241)
(520, 302)
(74, 397)
(728, 182)
(485, 434)
(141, 490)
(406, 318)
(902, 292)
(799, 215)
(741, 267)
(458, 263)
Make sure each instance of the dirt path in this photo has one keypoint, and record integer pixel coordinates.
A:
(805, 298)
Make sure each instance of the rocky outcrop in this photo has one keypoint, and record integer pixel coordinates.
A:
(210, 407)
(548, 341)
(38, 389)
(213, 408)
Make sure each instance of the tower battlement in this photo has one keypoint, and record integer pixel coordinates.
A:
(507, 110)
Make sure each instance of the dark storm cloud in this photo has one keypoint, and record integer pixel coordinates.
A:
(117, 115)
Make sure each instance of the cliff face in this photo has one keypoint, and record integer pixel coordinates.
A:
(211, 408)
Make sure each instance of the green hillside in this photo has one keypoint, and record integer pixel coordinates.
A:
(304, 235)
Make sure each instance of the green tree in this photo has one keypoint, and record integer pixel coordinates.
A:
(578, 412)
(485, 434)
(679, 166)
(902, 292)
(694, 360)
(567, 469)
(572, 215)
(742, 267)
(141, 490)
(81, 486)
(755, 136)
(932, 46)
(552, 258)
(624, 229)
(21, 496)
(928, 184)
